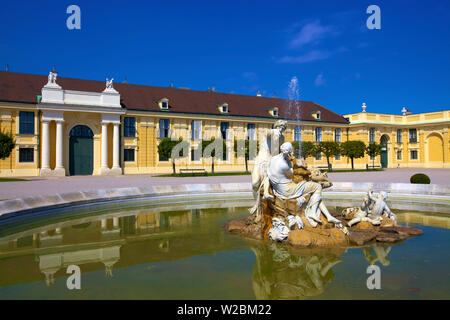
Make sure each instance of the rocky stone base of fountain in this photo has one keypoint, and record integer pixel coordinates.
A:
(324, 234)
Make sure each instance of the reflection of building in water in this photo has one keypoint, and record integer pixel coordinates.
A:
(49, 264)
(112, 240)
(148, 221)
(164, 245)
(176, 219)
(282, 273)
(411, 218)
(108, 230)
(377, 253)
(48, 238)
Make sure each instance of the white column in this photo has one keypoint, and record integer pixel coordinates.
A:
(116, 147)
(104, 155)
(59, 146)
(103, 224)
(45, 147)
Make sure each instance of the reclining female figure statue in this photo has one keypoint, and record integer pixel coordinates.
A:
(280, 173)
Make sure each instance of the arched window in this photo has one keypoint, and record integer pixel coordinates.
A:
(81, 131)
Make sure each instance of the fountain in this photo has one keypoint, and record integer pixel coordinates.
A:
(288, 199)
(137, 244)
(294, 108)
(289, 208)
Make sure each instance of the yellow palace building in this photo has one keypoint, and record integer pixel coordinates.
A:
(65, 126)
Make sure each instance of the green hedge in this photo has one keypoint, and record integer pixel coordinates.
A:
(420, 178)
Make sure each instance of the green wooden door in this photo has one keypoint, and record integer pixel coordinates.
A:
(81, 151)
(384, 152)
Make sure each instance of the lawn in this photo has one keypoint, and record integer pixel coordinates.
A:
(209, 174)
(11, 179)
(350, 170)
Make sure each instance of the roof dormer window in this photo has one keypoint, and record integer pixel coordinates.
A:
(273, 111)
(164, 104)
(316, 115)
(223, 107)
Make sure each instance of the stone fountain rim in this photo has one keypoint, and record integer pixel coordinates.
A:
(21, 207)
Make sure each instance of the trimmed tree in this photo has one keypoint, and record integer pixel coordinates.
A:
(308, 148)
(7, 144)
(206, 143)
(353, 150)
(373, 150)
(246, 151)
(165, 147)
(329, 149)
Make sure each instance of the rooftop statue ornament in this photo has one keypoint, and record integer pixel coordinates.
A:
(52, 79)
(109, 83)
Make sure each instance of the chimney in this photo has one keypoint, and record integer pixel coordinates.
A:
(7, 68)
(213, 89)
(258, 94)
(125, 80)
(171, 84)
(364, 107)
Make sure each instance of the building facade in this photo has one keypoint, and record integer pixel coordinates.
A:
(65, 126)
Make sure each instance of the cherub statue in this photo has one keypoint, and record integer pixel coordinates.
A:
(373, 209)
(379, 207)
(357, 215)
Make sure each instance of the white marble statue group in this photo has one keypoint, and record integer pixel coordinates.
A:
(52, 77)
(273, 168)
(373, 209)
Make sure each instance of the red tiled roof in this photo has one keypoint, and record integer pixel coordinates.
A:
(21, 87)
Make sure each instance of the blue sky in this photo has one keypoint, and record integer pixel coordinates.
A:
(245, 46)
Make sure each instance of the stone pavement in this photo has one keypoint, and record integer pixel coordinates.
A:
(54, 185)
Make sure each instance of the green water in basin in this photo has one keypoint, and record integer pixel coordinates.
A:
(151, 253)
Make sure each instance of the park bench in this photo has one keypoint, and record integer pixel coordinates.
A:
(194, 171)
(377, 166)
(325, 167)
